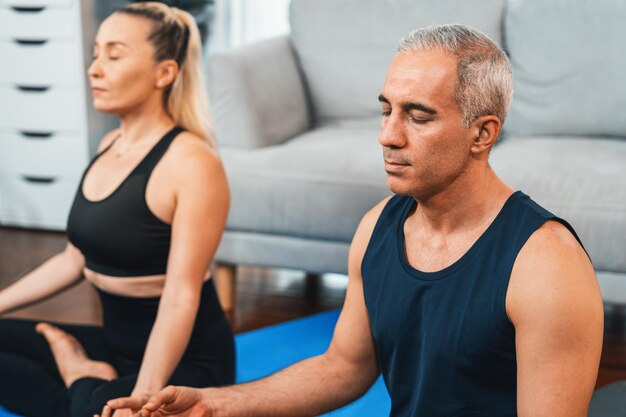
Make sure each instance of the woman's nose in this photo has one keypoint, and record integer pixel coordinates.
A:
(94, 70)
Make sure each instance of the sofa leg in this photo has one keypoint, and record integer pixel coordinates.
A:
(225, 281)
(312, 283)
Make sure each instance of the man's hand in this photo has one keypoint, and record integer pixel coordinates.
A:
(171, 401)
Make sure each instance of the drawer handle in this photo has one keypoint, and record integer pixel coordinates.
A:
(31, 42)
(36, 135)
(33, 88)
(24, 9)
(39, 180)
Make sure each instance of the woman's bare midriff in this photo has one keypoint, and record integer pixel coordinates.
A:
(142, 286)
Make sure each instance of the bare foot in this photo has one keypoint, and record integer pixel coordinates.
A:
(71, 358)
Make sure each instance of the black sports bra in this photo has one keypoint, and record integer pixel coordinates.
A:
(119, 235)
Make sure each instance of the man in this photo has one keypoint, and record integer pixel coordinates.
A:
(471, 299)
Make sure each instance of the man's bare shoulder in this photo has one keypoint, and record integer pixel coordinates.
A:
(551, 271)
(554, 234)
(552, 248)
(555, 305)
(362, 236)
(369, 220)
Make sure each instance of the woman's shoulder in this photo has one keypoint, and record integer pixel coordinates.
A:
(191, 158)
(189, 148)
(108, 139)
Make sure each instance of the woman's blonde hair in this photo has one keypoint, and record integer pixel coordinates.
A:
(175, 36)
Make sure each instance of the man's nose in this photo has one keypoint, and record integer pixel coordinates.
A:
(392, 133)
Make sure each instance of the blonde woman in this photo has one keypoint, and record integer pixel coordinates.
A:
(144, 226)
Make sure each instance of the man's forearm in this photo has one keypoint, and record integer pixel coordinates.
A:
(288, 393)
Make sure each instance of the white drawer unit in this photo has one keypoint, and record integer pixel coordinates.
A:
(23, 23)
(43, 153)
(36, 3)
(36, 201)
(41, 108)
(48, 128)
(45, 68)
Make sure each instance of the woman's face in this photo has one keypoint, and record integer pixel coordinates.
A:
(123, 74)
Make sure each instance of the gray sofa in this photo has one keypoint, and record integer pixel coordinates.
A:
(297, 122)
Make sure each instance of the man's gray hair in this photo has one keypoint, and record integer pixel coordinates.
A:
(484, 77)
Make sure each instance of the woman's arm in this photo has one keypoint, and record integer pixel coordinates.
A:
(202, 202)
(53, 276)
(308, 388)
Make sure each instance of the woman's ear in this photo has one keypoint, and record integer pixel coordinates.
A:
(166, 73)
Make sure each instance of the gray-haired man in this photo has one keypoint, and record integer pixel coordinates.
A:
(470, 298)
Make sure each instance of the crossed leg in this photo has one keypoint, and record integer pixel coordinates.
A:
(71, 358)
(30, 380)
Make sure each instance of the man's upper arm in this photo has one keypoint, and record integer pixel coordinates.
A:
(353, 343)
(555, 305)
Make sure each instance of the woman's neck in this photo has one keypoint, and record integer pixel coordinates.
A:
(144, 123)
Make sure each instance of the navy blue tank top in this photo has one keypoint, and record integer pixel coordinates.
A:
(119, 235)
(444, 342)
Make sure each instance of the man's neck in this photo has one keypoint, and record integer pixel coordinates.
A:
(466, 204)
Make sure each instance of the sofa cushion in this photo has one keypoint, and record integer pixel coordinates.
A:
(317, 185)
(568, 63)
(345, 46)
(580, 180)
(257, 95)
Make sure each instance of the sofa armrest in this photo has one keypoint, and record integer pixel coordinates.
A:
(257, 95)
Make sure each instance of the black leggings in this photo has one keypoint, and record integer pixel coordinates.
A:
(30, 383)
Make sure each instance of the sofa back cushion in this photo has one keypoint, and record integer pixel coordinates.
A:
(345, 46)
(569, 61)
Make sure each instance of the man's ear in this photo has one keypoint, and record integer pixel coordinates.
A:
(485, 131)
(166, 73)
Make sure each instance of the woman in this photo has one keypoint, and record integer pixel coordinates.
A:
(144, 226)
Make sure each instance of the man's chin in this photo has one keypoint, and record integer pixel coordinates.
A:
(399, 185)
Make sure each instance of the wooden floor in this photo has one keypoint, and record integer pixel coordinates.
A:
(264, 296)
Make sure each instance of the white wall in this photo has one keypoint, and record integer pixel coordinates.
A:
(239, 22)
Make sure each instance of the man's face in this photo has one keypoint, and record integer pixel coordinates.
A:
(426, 147)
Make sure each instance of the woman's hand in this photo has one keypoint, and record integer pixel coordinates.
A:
(125, 412)
(171, 401)
(131, 405)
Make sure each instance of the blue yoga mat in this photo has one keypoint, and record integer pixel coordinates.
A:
(7, 413)
(264, 351)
